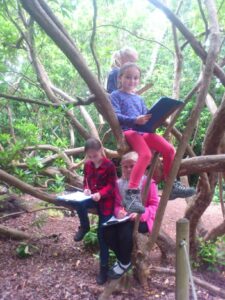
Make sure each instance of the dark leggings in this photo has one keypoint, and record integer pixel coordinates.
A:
(119, 238)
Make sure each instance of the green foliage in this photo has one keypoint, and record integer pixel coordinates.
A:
(91, 238)
(216, 196)
(40, 220)
(57, 185)
(212, 253)
(25, 250)
(141, 27)
(11, 153)
(91, 241)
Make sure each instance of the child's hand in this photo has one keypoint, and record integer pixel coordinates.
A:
(133, 216)
(142, 119)
(87, 192)
(96, 197)
(121, 214)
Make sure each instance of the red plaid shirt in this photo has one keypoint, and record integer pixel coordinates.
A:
(102, 180)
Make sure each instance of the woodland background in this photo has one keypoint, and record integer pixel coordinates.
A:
(55, 57)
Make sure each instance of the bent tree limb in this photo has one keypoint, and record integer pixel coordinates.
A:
(26, 188)
(215, 232)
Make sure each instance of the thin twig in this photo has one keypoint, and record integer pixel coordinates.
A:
(136, 36)
(93, 39)
(204, 19)
(31, 212)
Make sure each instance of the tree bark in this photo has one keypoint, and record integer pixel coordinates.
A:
(215, 232)
(14, 234)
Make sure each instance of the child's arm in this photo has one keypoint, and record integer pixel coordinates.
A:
(152, 203)
(109, 188)
(119, 211)
(123, 119)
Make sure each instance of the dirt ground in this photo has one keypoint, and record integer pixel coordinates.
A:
(63, 269)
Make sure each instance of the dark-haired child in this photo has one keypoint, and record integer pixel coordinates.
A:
(100, 183)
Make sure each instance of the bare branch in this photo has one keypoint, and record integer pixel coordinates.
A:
(32, 101)
(93, 39)
(203, 18)
(137, 36)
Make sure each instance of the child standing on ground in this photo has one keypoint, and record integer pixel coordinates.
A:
(100, 183)
(131, 110)
(119, 58)
(119, 237)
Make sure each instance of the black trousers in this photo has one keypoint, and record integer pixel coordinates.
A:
(119, 238)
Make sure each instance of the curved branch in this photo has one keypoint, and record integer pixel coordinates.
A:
(136, 36)
(93, 39)
(33, 101)
(203, 18)
(216, 232)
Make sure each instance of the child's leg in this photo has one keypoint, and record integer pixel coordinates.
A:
(125, 237)
(119, 238)
(104, 251)
(138, 144)
(159, 144)
(82, 211)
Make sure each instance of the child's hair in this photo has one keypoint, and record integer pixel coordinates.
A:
(92, 144)
(128, 54)
(129, 156)
(127, 66)
(116, 60)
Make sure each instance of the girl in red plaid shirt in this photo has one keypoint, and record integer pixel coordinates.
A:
(100, 183)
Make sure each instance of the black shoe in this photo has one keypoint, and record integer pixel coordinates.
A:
(81, 233)
(180, 191)
(132, 201)
(102, 276)
(118, 270)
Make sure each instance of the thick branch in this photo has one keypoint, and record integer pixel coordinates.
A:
(200, 164)
(13, 233)
(215, 232)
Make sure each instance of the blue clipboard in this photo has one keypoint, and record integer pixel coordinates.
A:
(160, 111)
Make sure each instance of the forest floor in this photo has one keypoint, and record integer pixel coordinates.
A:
(63, 269)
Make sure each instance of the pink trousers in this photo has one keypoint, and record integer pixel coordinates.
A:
(143, 144)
